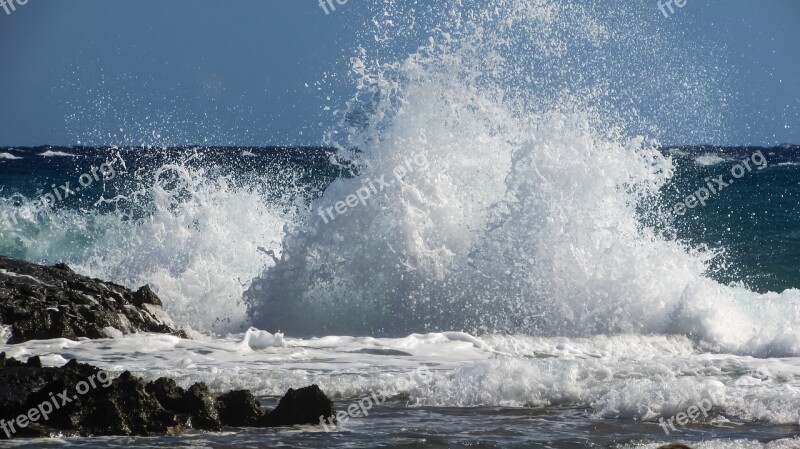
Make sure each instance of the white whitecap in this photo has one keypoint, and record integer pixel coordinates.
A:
(257, 339)
(677, 152)
(708, 159)
(51, 153)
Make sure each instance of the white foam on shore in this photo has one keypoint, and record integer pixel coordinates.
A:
(625, 376)
(257, 339)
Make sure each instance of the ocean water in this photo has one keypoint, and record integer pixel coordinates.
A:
(502, 387)
(487, 236)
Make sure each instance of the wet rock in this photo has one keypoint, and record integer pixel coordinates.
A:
(182, 333)
(41, 302)
(76, 399)
(674, 446)
(239, 409)
(146, 296)
(34, 362)
(79, 399)
(202, 407)
(167, 393)
(303, 406)
(195, 403)
(63, 267)
(125, 408)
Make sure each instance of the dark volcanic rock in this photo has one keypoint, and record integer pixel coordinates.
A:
(196, 403)
(239, 409)
(79, 399)
(168, 393)
(125, 408)
(203, 407)
(303, 406)
(674, 446)
(53, 302)
(146, 296)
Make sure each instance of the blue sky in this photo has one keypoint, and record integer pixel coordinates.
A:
(260, 72)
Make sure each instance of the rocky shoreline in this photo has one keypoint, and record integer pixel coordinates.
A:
(81, 400)
(39, 303)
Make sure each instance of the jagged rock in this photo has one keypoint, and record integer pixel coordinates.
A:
(168, 393)
(63, 266)
(146, 296)
(182, 333)
(195, 403)
(303, 406)
(239, 409)
(98, 406)
(128, 406)
(203, 407)
(53, 302)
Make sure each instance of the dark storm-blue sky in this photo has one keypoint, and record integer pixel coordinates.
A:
(248, 72)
